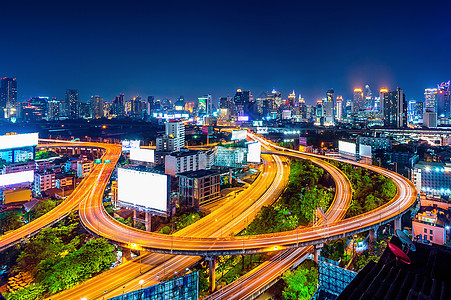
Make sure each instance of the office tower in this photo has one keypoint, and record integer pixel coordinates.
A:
(292, 99)
(415, 111)
(430, 119)
(358, 104)
(270, 100)
(329, 107)
(395, 109)
(71, 104)
(107, 109)
(242, 100)
(205, 105)
(383, 94)
(180, 103)
(339, 109)
(118, 105)
(430, 103)
(39, 107)
(8, 96)
(320, 112)
(226, 102)
(443, 100)
(368, 98)
(85, 110)
(96, 105)
(277, 98)
(302, 108)
(151, 101)
(53, 109)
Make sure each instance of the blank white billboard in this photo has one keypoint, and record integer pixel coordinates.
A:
(127, 145)
(254, 151)
(149, 190)
(239, 135)
(18, 140)
(365, 151)
(347, 147)
(145, 155)
(15, 178)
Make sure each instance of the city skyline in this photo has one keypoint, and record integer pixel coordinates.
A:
(199, 48)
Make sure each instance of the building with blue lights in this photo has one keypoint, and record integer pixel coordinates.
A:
(432, 178)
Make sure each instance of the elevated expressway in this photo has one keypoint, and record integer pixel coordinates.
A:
(112, 152)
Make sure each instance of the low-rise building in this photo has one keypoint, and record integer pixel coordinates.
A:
(43, 181)
(63, 180)
(83, 168)
(432, 178)
(185, 160)
(432, 222)
(376, 143)
(197, 187)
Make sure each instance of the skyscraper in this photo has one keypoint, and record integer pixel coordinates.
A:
(383, 93)
(71, 105)
(205, 105)
(118, 107)
(443, 100)
(430, 103)
(96, 105)
(241, 101)
(329, 107)
(339, 109)
(292, 99)
(395, 109)
(358, 104)
(8, 96)
(368, 98)
(53, 109)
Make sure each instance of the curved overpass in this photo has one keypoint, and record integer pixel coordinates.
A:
(71, 203)
(97, 220)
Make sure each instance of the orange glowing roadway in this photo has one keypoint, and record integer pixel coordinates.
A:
(95, 218)
(149, 268)
(62, 210)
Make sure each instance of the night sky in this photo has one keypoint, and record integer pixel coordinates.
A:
(191, 48)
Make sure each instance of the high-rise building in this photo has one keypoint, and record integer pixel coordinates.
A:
(395, 109)
(96, 107)
(205, 105)
(430, 103)
(415, 111)
(174, 138)
(72, 105)
(383, 94)
(118, 106)
(53, 109)
(8, 96)
(339, 109)
(329, 106)
(292, 99)
(358, 104)
(241, 100)
(368, 98)
(302, 108)
(443, 100)
(180, 103)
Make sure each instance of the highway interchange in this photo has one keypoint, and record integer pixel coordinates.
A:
(210, 235)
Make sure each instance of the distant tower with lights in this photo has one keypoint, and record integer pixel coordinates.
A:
(395, 109)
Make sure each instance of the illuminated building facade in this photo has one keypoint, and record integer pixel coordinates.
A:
(433, 178)
(8, 96)
(358, 103)
(395, 109)
(72, 105)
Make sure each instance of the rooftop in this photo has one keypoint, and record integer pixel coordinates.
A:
(199, 173)
(427, 277)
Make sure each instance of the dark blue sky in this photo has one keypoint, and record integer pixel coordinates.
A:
(190, 48)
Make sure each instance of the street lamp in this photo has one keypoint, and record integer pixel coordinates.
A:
(141, 282)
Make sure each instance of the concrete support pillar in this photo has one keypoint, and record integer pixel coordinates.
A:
(398, 223)
(371, 239)
(211, 271)
(148, 221)
(126, 254)
(317, 251)
(135, 216)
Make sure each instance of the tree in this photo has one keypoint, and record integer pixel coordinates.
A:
(301, 283)
(10, 220)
